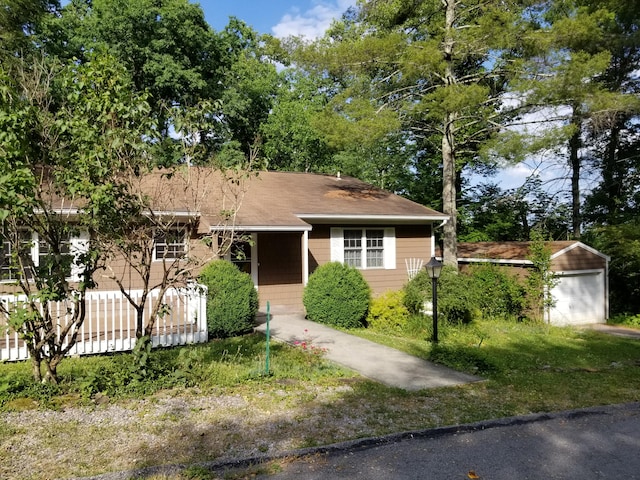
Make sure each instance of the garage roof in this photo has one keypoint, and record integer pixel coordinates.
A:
(515, 252)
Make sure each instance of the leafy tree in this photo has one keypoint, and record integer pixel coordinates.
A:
(615, 200)
(67, 132)
(166, 46)
(19, 21)
(249, 85)
(436, 69)
(540, 279)
(291, 139)
(490, 213)
(79, 133)
(622, 243)
(570, 56)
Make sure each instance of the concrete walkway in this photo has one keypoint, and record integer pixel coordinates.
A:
(377, 362)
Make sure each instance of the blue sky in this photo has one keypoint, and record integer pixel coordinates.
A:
(277, 17)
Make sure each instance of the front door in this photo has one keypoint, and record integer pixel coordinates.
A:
(244, 255)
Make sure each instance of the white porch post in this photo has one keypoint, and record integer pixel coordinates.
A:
(305, 257)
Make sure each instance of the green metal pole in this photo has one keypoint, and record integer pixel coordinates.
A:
(268, 337)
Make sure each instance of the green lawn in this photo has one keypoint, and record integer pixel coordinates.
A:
(304, 401)
(532, 368)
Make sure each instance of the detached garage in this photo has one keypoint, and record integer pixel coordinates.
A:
(581, 295)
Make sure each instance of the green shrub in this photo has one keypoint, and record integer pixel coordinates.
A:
(387, 313)
(232, 300)
(337, 295)
(497, 292)
(417, 291)
(628, 320)
(456, 298)
(487, 291)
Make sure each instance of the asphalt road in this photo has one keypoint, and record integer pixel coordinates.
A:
(597, 443)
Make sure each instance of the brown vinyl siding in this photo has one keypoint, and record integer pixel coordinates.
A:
(198, 251)
(319, 246)
(412, 241)
(280, 269)
(578, 259)
(281, 297)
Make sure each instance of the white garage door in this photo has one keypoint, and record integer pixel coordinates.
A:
(579, 299)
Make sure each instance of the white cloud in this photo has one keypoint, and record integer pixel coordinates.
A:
(313, 22)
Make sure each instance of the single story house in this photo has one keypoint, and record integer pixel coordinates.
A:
(581, 295)
(284, 224)
(288, 225)
(298, 221)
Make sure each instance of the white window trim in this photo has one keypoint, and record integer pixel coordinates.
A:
(78, 245)
(388, 246)
(185, 246)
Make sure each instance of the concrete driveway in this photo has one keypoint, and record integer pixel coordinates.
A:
(617, 330)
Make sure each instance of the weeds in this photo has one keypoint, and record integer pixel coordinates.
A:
(217, 364)
(306, 345)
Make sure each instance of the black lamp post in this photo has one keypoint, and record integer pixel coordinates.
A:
(434, 267)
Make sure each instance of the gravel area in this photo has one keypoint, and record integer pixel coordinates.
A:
(175, 428)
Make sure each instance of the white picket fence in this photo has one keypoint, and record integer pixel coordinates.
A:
(110, 322)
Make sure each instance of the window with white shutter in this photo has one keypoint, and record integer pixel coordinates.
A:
(364, 248)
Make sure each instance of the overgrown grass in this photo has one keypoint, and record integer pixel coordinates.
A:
(212, 366)
(628, 320)
(532, 367)
(307, 401)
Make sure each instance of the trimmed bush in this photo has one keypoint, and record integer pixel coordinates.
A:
(232, 300)
(387, 313)
(337, 295)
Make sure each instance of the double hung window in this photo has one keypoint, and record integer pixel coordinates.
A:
(364, 248)
(170, 244)
(37, 252)
(9, 260)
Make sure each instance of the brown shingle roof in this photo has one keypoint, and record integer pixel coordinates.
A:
(504, 250)
(281, 199)
(284, 198)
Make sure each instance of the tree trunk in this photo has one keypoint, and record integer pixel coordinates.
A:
(574, 159)
(35, 368)
(140, 327)
(51, 376)
(612, 176)
(450, 240)
(449, 204)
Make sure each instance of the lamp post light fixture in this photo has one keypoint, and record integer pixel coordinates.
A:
(434, 268)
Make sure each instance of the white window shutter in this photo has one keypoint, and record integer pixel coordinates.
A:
(337, 245)
(79, 245)
(389, 246)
